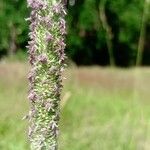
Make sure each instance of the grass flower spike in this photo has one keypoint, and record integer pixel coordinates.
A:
(46, 56)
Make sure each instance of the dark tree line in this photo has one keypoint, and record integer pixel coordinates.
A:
(100, 32)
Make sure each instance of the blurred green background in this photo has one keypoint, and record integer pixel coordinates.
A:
(101, 32)
(102, 108)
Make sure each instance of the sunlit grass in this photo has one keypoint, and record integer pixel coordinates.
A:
(106, 109)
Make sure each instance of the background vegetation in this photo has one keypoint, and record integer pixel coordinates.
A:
(98, 112)
(102, 107)
(99, 31)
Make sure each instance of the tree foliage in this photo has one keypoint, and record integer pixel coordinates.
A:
(13, 28)
(87, 40)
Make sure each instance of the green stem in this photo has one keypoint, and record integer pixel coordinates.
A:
(142, 34)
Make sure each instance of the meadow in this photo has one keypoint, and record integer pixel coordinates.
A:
(101, 108)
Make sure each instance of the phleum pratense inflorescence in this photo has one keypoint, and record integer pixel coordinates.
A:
(46, 56)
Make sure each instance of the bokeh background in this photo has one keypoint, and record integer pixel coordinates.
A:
(100, 32)
(106, 99)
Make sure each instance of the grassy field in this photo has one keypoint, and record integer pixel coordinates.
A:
(102, 108)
